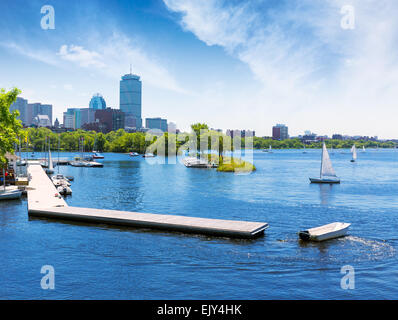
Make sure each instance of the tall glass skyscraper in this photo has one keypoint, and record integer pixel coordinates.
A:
(130, 100)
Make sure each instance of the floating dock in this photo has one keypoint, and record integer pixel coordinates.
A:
(42, 202)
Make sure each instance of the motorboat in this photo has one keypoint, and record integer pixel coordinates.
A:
(193, 162)
(327, 174)
(325, 232)
(97, 155)
(148, 155)
(64, 190)
(60, 179)
(134, 154)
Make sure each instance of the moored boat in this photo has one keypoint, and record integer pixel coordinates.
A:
(325, 232)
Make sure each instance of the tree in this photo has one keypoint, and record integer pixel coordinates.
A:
(199, 128)
(10, 126)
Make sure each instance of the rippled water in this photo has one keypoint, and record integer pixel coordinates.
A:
(101, 262)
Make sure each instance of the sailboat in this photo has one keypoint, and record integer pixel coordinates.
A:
(9, 193)
(327, 174)
(354, 153)
(50, 167)
(270, 149)
(304, 150)
(363, 149)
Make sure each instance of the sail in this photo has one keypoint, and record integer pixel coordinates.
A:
(50, 160)
(270, 148)
(354, 152)
(363, 148)
(326, 166)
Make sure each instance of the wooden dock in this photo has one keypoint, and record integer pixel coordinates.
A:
(43, 203)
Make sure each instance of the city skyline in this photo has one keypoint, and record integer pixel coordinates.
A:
(290, 64)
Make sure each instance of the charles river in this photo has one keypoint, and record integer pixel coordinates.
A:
(102, 262)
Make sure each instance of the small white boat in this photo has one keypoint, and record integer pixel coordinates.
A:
(148, 155)
(193, 162)
(10, 194)
(64, 190)
(327, 174)
(326, 232)
(60, 180)
(97, 155)
(134, 154)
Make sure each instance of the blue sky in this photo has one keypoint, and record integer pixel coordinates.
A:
(232, 64)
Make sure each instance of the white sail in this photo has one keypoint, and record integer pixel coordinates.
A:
(363, 148)
(50, 160)
(326, 165)
(270, 148)
(354, 152)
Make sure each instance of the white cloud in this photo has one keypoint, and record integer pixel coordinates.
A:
(81, 56)
(312, 71)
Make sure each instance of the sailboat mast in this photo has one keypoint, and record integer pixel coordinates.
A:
(4, 179)
(323, 150)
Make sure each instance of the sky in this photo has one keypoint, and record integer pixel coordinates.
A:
(309, 64)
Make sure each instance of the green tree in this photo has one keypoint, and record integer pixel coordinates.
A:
(10, 126)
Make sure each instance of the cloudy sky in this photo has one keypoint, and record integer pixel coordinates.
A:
(232, 64)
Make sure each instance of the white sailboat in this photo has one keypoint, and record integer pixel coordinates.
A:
(304, 151)
(50, 167)
(270, 149)
(327, 174)
(363, 149)
(354, 153)
(9, 193)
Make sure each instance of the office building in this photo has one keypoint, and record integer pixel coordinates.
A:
(75, 118)
(240, 133)
(22, 106)
(29, 111)
(130, 100)
(280, 132)
(109, 120)
(97, 102)
(156, 123)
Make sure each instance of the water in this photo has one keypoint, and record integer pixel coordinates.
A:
(102, 262)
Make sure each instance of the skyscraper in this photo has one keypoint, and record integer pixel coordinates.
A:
(130, 100)
(97, 102)
(22, 106)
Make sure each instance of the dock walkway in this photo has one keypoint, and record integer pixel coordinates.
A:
(43, 203)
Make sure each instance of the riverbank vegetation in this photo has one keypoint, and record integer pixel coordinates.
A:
(10, 127)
